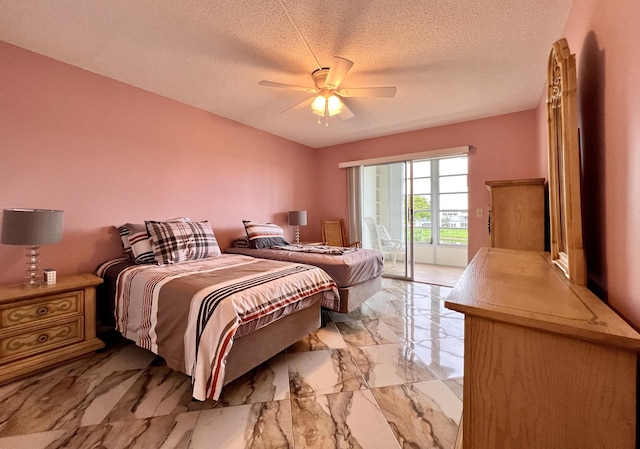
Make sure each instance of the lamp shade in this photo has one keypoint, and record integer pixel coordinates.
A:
(31, 226)
(298, 218)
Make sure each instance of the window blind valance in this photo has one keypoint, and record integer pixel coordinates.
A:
(407, 157)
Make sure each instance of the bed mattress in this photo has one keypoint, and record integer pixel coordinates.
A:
(351, 268)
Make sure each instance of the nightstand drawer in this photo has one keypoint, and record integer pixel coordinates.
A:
(38, 340)
(34, 311)
(47, 325)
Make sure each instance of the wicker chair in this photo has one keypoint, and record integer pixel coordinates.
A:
(334, 234)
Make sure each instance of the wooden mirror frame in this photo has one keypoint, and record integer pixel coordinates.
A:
(565, 209)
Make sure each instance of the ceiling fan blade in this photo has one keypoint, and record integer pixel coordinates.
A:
(345, 113)
(301, 105)
(368, 92)
(310, 90)
(339, 69)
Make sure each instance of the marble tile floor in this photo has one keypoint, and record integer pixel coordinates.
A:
(388, 375)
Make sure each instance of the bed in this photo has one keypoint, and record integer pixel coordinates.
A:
(212, 316)
(356, 271)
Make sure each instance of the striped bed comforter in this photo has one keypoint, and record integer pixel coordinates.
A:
(188, 313)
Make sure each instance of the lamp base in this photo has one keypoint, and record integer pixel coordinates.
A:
(297, 236)
(33, 280)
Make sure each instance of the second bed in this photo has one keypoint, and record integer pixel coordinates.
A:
(356, 271)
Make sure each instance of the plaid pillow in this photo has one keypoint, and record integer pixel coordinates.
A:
(136, 243)
(175, 242)
(264, 235)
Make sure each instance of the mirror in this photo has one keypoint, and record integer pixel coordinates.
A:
(565, 209)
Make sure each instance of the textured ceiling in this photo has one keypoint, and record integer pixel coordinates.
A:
(451, 60)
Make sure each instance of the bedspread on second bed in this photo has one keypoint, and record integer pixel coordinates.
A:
(188, 313)
(346, 269)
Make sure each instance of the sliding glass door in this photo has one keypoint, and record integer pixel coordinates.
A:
(386, 225)
(440, 211)
(416, 212)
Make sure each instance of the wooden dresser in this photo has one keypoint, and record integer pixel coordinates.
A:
(547, 364)
(517, 214)
(45, 325)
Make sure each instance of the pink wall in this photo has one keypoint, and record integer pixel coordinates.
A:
(504, 147)
(604, 36)
(108, 153)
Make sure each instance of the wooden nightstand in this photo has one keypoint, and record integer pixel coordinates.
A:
(43, 326)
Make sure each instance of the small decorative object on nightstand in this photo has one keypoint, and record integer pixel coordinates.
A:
(49, 276)
(41, 327)
(298, 218)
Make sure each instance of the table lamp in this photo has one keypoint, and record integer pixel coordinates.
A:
(32, 228)
(298, 218)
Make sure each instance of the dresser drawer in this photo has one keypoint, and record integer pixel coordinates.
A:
(34, 311)
(38, 340)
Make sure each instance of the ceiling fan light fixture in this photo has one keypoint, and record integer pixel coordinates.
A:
(327, 103)
(318, 105)
(334, 105)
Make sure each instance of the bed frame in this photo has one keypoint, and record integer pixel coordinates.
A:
(259, 346)
(353, 296)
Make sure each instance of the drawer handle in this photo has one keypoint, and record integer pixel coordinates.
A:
(43, 338)
(43, 310)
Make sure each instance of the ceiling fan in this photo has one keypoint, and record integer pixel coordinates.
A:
(328, 96)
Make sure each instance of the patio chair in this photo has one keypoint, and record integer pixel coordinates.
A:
(381, 240)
